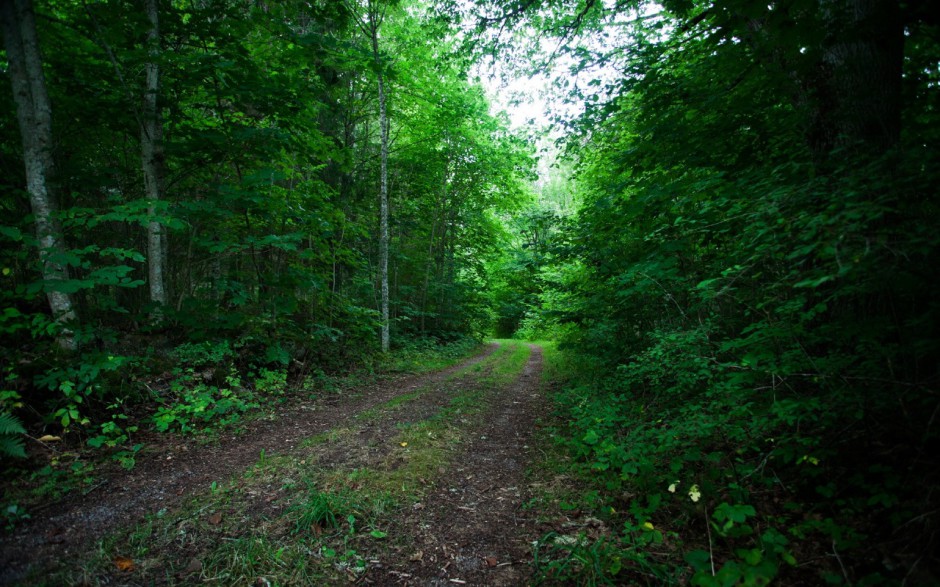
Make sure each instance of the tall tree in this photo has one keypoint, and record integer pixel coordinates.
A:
(34, 114)
(375, 21)
(370, 25)
(151, 148)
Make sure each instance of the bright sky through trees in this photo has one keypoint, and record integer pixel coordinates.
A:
(546, 82)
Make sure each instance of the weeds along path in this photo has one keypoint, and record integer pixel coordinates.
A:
(63, 533)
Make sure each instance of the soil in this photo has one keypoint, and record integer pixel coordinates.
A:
(470, 527)
(474, 529)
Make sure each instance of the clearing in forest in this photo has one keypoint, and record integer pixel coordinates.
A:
(421, 481)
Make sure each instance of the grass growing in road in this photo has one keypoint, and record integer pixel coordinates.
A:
(294, 520)
(422, 449)
(405, 398)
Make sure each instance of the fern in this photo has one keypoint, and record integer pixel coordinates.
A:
(10, 444)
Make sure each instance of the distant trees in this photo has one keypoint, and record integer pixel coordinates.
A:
(216, 166)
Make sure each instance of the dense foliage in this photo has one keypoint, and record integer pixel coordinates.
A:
(749, 284)
(263, 163)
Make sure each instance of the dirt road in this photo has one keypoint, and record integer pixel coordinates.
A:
(419, 481)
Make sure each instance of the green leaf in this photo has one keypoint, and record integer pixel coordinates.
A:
(815, 282)
(591, 438)
(753, 556)
(12, 447)
(9, 424)
(12, 233)
(700, 560)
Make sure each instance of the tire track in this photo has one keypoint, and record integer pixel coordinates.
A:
(164, 480)
(472, 529)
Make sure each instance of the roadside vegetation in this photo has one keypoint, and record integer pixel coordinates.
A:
(744, 293)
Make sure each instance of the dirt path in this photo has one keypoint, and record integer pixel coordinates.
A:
(468, 527)
(163, 479)
(473, 528)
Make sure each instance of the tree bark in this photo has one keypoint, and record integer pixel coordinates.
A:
(383, 180)
(34, 114)
(151, 150)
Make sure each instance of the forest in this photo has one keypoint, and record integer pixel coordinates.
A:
(720, 240)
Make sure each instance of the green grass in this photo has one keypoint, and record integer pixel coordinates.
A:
(405, 398)
(507, 370)
(427, 446)
(331, 435)
(426, 356)
(241, 561)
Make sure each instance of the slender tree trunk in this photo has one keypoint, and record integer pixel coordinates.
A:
(438, 213)
(151, 151)
(383, 181)
(34, 114)
(427, 274)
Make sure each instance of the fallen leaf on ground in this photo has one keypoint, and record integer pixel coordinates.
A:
(417, 557)
(403, 443)
(215, 519)
(491, 561)
(49, 438)
(124, 564)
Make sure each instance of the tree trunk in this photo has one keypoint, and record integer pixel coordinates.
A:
(151, 150)
(859, 84)
(383, 181)
(34, 114)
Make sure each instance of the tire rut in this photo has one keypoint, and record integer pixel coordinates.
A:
(166, 479)
(472, 529)
(366, 444)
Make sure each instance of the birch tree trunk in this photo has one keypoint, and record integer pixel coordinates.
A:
(34, 114)
(383, 181)
(151, 150)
